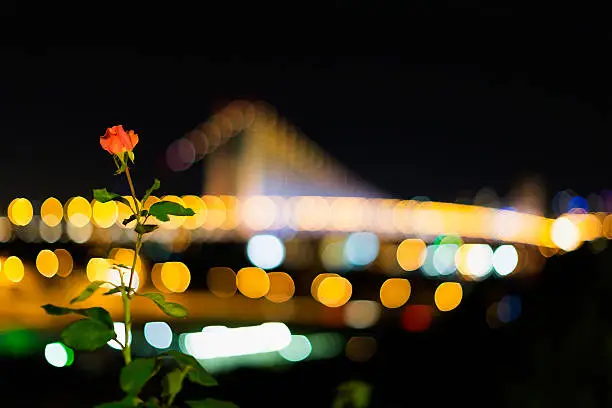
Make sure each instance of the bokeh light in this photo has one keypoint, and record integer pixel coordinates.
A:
(411, 254)
(158, 334)
(265, 251)
(221, 281)
(65, 262)
(395, 292)
(253, 282)
(52, 212)
(448, 296)
(298, 350)
(565, 234)
(13, 269)
(59, 355)
(361, 314)
(199, 208)
(20, 211)
(334, 291)
(47, 263)
(417, 318)
(175, 276)
(78, 211)
(104, 215)
(282, 287)
(505, 259)
(361, 248)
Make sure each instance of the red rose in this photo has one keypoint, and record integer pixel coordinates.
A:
(117, 141)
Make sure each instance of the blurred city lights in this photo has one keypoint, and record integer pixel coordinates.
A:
(158, 334)
(361, 248)
(253, 282)
(297, 350)
(58, 355)
(395, 292)
(448, 296)
(265, 251)
(229, 342)
(505, 259)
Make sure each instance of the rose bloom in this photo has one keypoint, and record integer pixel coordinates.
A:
(117, 141)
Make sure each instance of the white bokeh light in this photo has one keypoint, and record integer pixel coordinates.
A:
(158, 334)
(266, 251)
(505, 259)
(361, 248)
(565, 234)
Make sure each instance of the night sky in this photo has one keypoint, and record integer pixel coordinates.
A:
(431, 110)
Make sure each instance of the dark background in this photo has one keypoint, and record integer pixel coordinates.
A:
(468, 97)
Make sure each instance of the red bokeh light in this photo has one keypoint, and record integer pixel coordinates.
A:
(417, 318)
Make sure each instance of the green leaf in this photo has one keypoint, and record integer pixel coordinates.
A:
(89, 290)
(145, 229)
(173, 382)
(128, 401)
(112, 291)
(136, 374)
(102, 195)
(87, 335)
(162, 209)
(130, 155)
(170, 308)
(98, 314)
(151, 189)
(128, 219)
(197, 374)
(211, 403)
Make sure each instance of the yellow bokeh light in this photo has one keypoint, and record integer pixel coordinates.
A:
(346, 213)
(97, 268)
(47, 263)
(607, 227)
(125, 256)
(221, 281)
(282, 287)
(314, 286)
(65, 262)
(232, 215)
(175, 276)
(198, 206)
(13, 269)
(253, 282)
(20, 211)
(411, 254)
(125, 211)
(78, 211)
(395, 292)
(216, 214)
(448, 296)
(565, 234)
(52, 212)
(175, 221)
(104, 215)
(157, 279)
(334, 291)
(311, 213)
(474, 261)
